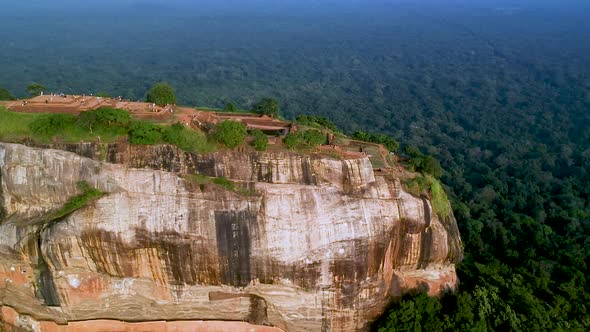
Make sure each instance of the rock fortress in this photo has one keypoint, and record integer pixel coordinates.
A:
(318, 241)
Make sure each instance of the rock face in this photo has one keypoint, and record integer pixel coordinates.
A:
(304, 243)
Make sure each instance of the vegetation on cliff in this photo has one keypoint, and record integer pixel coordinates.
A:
(426, 184)
(317, 121)
(223, 182)
(15, 127)
(389, 142)
(260, 142)
(106, 124)
(88, 194)
(230, 133)
(305, 139)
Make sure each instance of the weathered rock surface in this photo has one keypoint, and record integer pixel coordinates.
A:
(306, 244)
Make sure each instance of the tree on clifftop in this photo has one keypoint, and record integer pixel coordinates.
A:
(161, 94)
(35, 89)
(6, 95)
(267, 106)
(230, 133)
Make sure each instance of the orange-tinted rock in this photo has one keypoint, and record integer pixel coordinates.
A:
(14, 322)
(306, 242)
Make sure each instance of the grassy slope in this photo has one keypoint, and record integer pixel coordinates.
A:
(15, 126)
(88, 195)
(428, 184)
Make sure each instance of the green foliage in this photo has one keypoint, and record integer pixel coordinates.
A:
(427, 184)
(144, 133)
(49, 125)
(314, 138)
(260, 142)
(35, 89)
(230, 107)
(15, 126)
(161, 94)
(42, 127)
(225, 183)
(103, 95)
(203, 180)
(6, 95)
(108, 121)
(314, 120)
(186, 138)
(107, 116)
(307, 139)
(429, 165)
(267, 106)
(197, 178)
(230, 133)
(389, 142)
(483, 310)
(361, 136)
(440, 201)
(422, 163)
(88, 195)
(412, 151)
(108, 124)
(294, 140)
(88, 120)
(421, 313)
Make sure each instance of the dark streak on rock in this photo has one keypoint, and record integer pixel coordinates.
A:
(103, 247)
(427, 212)
(426, 239)
(268, 270)
(263, 172)
(233, 245)
(258, 311)
(205, 166)
(350, 272)
(46, 289)
(308, 173)
(347, 186)
(2, 209)
(188, 259)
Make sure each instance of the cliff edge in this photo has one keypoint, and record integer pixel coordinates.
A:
(297, 242)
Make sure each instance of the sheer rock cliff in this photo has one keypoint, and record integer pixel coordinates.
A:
(302, 243)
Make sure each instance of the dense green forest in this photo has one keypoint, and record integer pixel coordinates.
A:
(500, 96)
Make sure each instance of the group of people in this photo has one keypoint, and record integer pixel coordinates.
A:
(52, 94)
(167, 108)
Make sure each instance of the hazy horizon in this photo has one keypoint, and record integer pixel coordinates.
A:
(237, 51)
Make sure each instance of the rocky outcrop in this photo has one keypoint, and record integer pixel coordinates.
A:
(304, 243)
